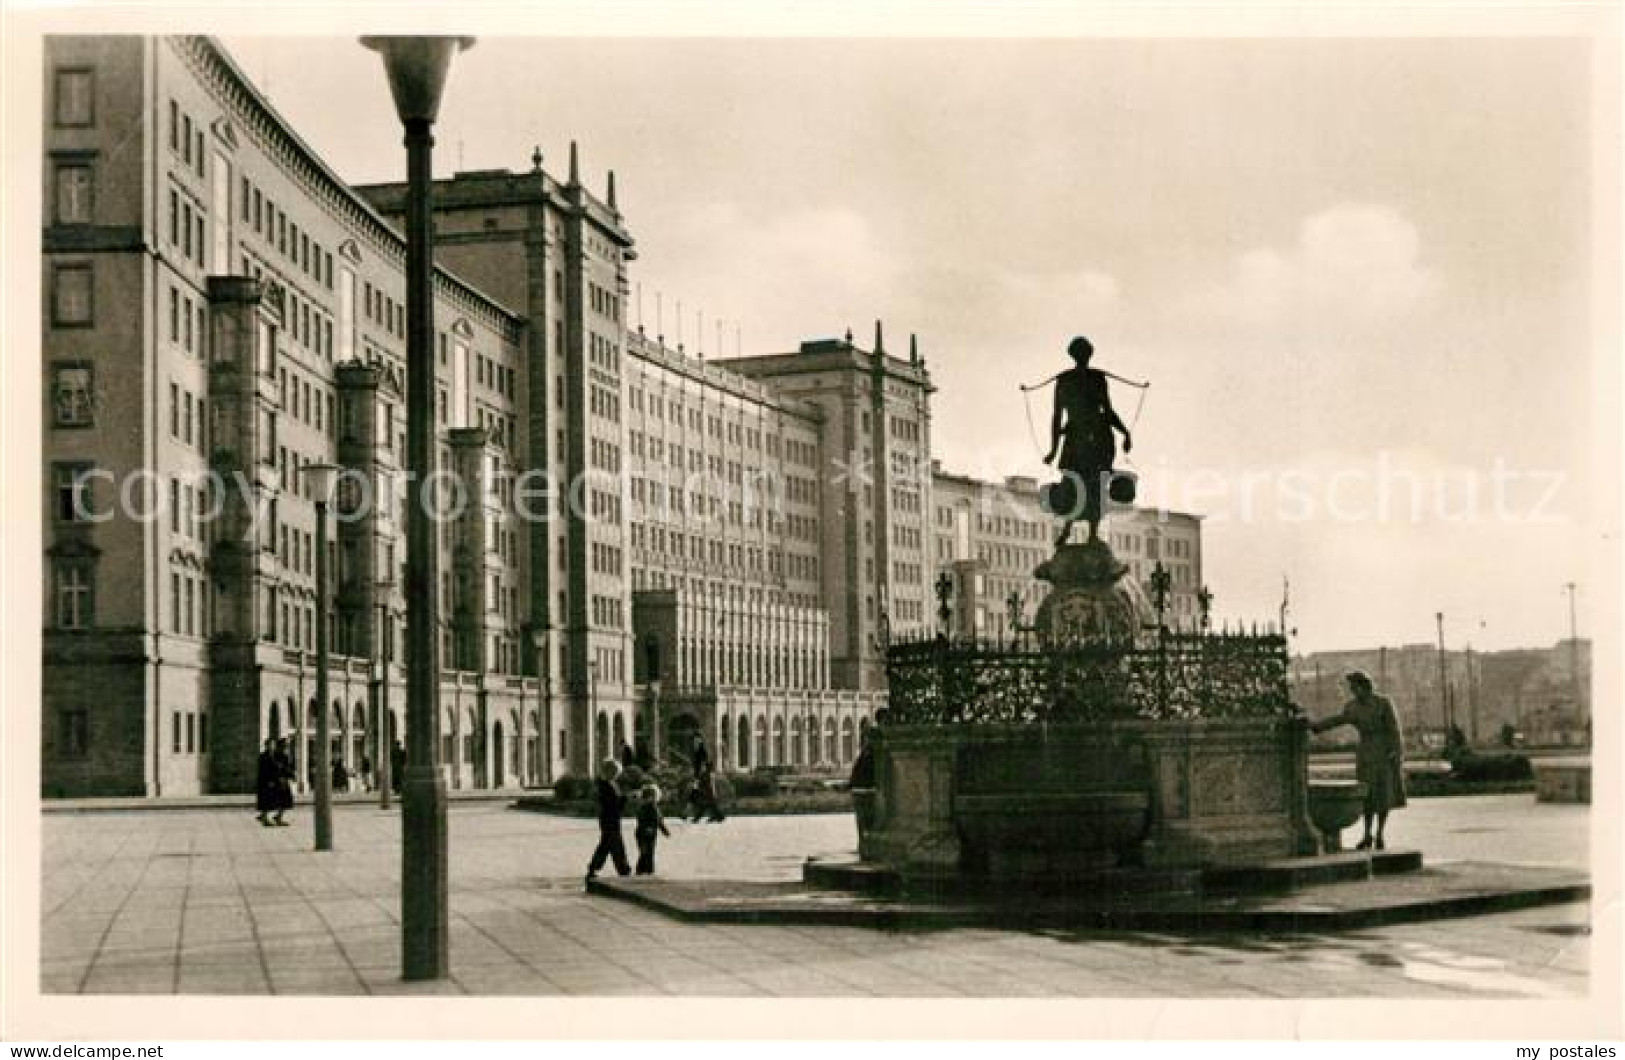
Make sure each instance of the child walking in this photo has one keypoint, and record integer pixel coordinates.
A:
(651, 826)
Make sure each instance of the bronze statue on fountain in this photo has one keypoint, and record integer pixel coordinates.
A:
(1088, 601)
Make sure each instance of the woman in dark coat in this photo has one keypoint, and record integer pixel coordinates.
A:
(282, 790)
(1379, 763)
(265, 784)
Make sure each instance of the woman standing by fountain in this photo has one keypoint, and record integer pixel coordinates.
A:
(1379, 763)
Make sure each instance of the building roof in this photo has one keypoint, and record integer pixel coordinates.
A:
(211, 55)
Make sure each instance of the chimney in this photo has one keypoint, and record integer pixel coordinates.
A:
(575, 167)
(880, 342)
(612, 192)
(913, 349)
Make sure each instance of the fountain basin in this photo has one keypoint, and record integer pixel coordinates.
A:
(1050, 835)
(1333, 806)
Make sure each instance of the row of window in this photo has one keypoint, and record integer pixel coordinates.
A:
(606, 559)
(604, 403)
(281, 234)
(608, 612)
(187, 226)
(186, 418)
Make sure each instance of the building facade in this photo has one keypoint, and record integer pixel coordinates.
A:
(989, 537)
(222, 313)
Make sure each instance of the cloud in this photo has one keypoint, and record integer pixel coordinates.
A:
(1353, 266)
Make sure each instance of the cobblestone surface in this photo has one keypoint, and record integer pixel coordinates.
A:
(209, 902)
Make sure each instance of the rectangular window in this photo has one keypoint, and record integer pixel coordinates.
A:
(346, 314)
(175, 731)
(73, 733)
(186, 139)
(73, 596)
(174, 126)
(71, 395)
(75, 98)
(174, 603)
(72, 486)
(72, 304)
(73, 194)
(220, 256)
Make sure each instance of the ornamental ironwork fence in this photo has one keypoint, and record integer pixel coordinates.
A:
(1169, 676)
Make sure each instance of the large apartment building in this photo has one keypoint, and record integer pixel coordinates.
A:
(989, 537)
(653, 544)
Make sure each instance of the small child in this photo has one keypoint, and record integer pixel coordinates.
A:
(651, 825)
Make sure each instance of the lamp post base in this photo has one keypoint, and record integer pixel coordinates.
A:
(425, 943)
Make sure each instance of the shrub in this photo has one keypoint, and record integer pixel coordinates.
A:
(754, 784)
(1497, 767)
(571, 788)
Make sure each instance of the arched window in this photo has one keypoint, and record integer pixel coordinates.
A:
(814, 751)
(743, 742)
(471, 732)
(830, 747)
(795, 741)
(761, 742)
(848, 750)
(358, 737)
(600, 735)
(778, 743)
(619, 736)
(273, 724)
(448, 739)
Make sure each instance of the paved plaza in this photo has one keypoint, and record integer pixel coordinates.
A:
(209, 902)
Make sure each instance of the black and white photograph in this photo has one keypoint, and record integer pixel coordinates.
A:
(670, 510)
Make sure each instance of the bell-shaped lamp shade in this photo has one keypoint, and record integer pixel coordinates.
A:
(417, 69)
(322, 478)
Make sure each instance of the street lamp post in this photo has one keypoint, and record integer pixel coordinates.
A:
(417, 68)
(385, 749)
(321, 478)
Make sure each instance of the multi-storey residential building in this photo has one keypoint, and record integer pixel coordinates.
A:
(691, 591)
(223, 312)
(874, 489)
(989, 537)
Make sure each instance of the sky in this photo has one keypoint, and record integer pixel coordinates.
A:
(1357, 272)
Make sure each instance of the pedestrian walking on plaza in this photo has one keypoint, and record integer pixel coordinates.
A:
(1379, 762)
(282, 788)
(341, 776)
(702, 795)
(651, 826)
(397, 766)
(611, 807)
(366, 773)
(266, 779)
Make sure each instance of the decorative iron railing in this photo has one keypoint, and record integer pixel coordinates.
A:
(1021, 681)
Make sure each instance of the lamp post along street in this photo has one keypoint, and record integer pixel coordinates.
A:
(321, 478)
(386, 744)
(417, 68)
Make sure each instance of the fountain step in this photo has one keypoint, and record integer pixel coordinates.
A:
(850, 874)
(1287, 873)
(1450, 890)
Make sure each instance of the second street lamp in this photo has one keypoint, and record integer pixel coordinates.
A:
(321, 478)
